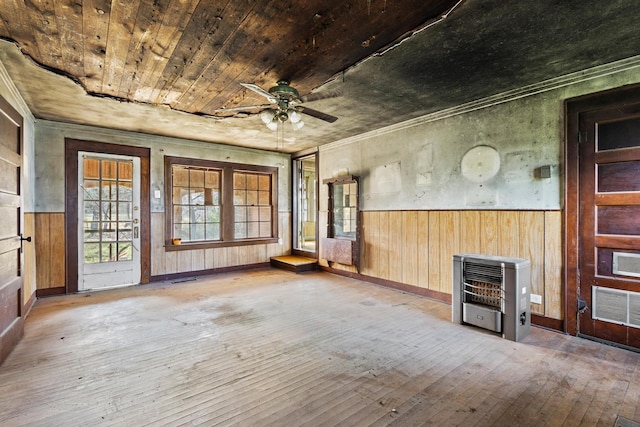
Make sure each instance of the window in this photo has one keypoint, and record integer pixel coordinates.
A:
(210, 204)
(252, 205)
(196, 203)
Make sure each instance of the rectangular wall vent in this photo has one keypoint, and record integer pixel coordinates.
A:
(626, 264)
(616, 306)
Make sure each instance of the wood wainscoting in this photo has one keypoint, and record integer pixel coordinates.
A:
(49, 241)
(168, 264)
(415, 248)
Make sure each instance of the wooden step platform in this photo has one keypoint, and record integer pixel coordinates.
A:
(294, 263)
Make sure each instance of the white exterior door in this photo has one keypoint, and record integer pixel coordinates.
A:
(108, 220)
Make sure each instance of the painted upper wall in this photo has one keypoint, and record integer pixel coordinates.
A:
(490, 154)
(49, 164)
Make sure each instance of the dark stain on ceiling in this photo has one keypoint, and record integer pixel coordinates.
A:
(390, 60)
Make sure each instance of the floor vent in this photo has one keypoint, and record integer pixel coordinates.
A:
(616, 306)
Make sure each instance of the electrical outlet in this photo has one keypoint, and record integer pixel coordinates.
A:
(536, 299)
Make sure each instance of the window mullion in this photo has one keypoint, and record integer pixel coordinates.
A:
(227, 227)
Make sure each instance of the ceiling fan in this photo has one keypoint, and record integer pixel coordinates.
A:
(285, 103)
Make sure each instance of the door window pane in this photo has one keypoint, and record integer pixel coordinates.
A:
(618, 177)
(616, 135)
(108, 210)
(623, 220)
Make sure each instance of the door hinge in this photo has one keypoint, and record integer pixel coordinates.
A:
(582, 137)
(582, 305)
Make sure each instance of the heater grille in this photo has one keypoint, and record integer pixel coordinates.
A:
(483, 293)
(477, 272)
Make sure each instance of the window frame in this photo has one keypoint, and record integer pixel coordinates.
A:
(331, 229)
(227, 222)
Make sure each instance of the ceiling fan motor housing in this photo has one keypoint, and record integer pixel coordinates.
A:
(283, 90)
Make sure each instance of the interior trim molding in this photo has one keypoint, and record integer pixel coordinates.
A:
(29, 305)
(21, 106)
(547, 322)
(49, 292)
(500, 98)
(428, 293)
(193, 274)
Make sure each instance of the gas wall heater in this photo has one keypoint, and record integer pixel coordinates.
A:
(492, 292)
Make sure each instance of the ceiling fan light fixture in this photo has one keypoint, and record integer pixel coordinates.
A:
(273, 125)
(267, 116)
(297, 125)
(294, 116)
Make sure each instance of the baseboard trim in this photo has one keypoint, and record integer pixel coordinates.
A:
(428, 293)
(48, 292)
(537, 320)
(198, 273)
(547, 322)
(29, 305)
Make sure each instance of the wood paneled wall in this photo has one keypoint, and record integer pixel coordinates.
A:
(173, 262)
(50, 262)
(49, 245)
(416, 247)
(410, 247)
(29, 261)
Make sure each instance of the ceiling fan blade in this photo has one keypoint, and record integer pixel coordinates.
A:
(246, 107)
(327, 94)
(259, 90)
(318, 114)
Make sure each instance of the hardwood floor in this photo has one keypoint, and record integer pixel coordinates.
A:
(269, 347)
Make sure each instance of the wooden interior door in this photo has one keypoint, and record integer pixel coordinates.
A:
(11, 283)
(609, 224)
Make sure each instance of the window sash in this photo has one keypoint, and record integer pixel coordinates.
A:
(217, 204)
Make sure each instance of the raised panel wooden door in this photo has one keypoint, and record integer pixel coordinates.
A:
(11, 283)
(609, 225)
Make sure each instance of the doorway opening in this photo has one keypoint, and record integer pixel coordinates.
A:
(602, 217)
(305, 212)
(100, 229)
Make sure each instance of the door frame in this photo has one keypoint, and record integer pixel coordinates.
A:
(617, 97)
(295, 194)
(72, 147)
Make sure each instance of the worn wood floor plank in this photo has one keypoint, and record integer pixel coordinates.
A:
(272, 348)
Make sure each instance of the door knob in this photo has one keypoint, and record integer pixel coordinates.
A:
(22, 239)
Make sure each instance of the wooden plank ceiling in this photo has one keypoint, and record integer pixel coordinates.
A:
(192, 55)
